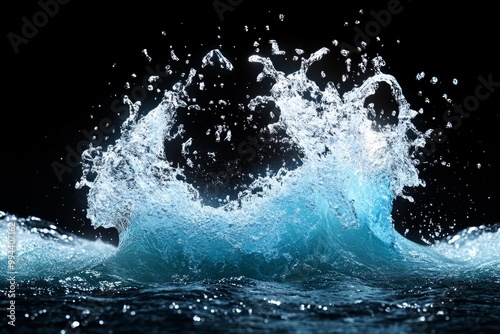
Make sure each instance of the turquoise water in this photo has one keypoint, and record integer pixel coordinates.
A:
(68, 285)
(303, 248)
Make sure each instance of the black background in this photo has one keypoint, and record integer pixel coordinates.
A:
(65, 74)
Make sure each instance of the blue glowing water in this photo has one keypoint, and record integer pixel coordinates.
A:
(313, 250)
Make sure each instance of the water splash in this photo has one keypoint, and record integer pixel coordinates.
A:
(330, 213)
(334, 205)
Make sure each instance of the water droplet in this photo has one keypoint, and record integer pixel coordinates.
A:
(420, 75)
(145, 53)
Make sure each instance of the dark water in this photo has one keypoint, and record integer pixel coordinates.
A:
(237, 305)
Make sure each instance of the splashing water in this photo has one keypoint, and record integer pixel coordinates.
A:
(333, 212)
(324, 222)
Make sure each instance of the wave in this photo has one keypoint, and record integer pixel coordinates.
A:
(329, 214)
